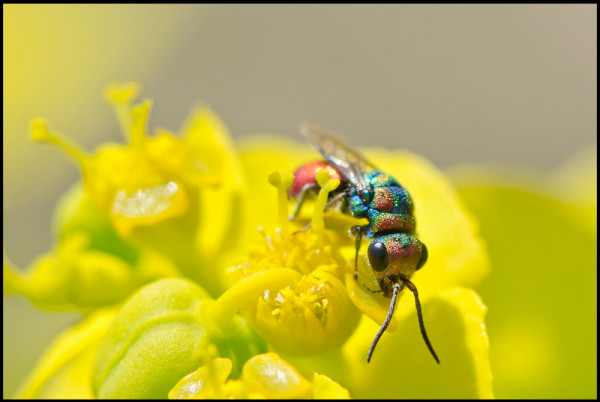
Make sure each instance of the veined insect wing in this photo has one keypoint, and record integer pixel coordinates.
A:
(350, 163)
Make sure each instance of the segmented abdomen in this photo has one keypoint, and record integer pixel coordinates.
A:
(391, 209)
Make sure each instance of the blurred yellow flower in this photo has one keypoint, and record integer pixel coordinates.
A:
(541, 230)
(175, 196)
(263, 376)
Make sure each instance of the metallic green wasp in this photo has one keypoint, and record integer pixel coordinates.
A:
(395, 252)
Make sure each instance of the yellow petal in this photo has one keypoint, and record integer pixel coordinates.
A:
(206, 382)
(325, 388)
(545, 269)
(207, 145)
(457, 253)
(73, 346)
(402, 367)
(269, 375)
(149, 205)
(74, 277)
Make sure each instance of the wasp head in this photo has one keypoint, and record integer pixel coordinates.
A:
(396, 255)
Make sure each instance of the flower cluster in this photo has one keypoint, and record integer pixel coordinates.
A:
(184, 298)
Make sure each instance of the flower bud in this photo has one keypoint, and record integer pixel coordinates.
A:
(162, 334)
(263, 376)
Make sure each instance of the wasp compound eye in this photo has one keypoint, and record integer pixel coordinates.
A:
(378, 256)
(423, 259)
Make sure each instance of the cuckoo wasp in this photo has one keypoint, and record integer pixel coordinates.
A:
(395, 252)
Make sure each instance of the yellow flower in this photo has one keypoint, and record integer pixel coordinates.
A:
(454, 315)
(76, 277)
(161, 192)
(263, 376)
(65, 368)
(275, 313)
(312, 312)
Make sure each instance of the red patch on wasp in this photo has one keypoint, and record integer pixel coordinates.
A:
(306, 175)
(383, 200)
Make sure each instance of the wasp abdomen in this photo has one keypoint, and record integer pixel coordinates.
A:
(385, 221)
(306, 175)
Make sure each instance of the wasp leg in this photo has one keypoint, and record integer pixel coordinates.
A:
(332, 202)
(304, 229)
(304, 192)
(357, 231)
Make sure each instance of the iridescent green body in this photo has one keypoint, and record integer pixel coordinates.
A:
(389, 209)
(395, 252)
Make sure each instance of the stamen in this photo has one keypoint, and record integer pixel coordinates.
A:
(41, 133)
(121, 97)
(211, 353)
(122, 94)
(282, 181)
(327, 185)
(139, 115)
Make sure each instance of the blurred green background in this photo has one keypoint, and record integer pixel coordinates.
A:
(510, 85)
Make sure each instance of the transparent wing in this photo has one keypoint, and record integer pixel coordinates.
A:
(348, 161)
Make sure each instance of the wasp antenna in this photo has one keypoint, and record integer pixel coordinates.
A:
(413, 289)
(396, 289)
